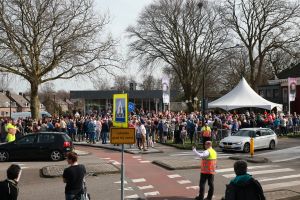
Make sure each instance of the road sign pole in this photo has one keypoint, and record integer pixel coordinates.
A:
(122, 173)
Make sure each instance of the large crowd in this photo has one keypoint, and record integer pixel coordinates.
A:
(178, 127)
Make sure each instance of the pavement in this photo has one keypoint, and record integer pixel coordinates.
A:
(132, 149)
(91, 168)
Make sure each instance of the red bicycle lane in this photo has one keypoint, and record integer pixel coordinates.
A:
(152, 181)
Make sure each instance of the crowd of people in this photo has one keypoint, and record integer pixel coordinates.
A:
(178, 127)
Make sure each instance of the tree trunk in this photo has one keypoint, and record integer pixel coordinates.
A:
(34, 101)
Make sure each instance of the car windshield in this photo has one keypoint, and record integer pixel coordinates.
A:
(244, 133)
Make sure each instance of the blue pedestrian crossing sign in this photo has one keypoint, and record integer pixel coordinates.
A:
(131, 107)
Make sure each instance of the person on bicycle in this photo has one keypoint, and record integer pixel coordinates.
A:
(73, 176)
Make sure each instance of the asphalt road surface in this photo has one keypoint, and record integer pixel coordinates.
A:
(145, 180)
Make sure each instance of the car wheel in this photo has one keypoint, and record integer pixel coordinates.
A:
(272, 145)
(56, 155)
(246, 147)
(4, 156)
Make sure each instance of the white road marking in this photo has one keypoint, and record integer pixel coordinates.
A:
(127, 189)
(116, 163)
(145, 187)
(24, 167)
(135, 196)
(288, 159)
(278, 178)
(139, 159)
(193, 187)
(262, 172)
(139, 180)
(250, 167)
(280, 185)
(106, 158)
(151, 193)
(136, 156)
(145, 161)
(184, 182)
(174, 176)
(125, 182)
(21, 164)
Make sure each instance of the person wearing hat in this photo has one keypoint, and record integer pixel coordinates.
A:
(11, 132)
(206, 134)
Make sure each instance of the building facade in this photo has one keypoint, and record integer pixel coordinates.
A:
(277, 89)
(97, 101)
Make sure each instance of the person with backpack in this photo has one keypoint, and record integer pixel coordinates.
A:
(9, 189)
(243, 186)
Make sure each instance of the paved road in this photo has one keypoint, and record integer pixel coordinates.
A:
(145, 180)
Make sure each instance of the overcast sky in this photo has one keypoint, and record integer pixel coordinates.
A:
(122, 14)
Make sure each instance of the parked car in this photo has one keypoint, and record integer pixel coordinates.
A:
(44, 145)
(240, 141)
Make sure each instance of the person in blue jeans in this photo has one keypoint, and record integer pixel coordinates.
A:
(104, 131)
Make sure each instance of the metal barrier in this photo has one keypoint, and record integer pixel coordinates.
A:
(296, 129)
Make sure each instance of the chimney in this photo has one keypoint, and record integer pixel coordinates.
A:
(20, 93)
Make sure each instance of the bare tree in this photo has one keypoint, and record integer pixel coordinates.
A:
(121, 83)
(151, 83)
(5, 80)
(262, 26)
(44, 40)
(183, 34)
(101, 83)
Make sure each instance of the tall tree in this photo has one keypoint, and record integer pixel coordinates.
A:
(44, 40)
(262, 26)
(5, 81)
(183, 34)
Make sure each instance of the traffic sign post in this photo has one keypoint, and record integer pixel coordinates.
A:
(122, 136)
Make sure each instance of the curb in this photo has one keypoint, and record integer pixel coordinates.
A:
(250, 159)
(169, 167)
(118, 149)
(45, 172)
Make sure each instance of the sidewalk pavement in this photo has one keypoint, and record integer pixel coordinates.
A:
(132, 149)
(282, 195)
(101, 167)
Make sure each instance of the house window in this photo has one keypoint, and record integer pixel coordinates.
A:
(275, 93)
(261, 93)
(2, 113)
(269, 93)
(285, 95)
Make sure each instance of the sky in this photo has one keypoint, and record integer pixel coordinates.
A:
(122, 14)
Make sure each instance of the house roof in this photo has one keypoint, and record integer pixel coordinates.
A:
(4, 100)
(108, 94)
(20, 100)
(290, 72)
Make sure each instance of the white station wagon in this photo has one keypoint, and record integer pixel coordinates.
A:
(240, 141)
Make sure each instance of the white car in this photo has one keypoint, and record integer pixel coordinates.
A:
(240, 141)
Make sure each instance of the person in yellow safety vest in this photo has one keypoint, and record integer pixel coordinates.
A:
(11, 132)
(208, 170)
(206, 134)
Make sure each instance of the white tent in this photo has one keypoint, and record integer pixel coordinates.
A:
(243, 96)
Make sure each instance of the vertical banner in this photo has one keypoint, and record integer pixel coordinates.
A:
(166, 90)
(292, 84)
(120, 110)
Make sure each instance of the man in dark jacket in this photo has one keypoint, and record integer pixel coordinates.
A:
(9, 188)
(243, 186)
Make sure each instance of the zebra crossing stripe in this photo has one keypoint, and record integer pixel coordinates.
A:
(184, 182)
(139, 180)
(280, 185)
(145, 187)
(151, 193)
(174, 176)
(250, 167)
(278, 178)
(135, 196)
(262, 172)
